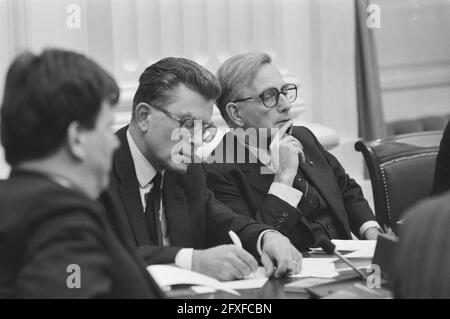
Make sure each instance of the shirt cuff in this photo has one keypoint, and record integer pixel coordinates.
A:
(366, 226)
(284, 192)
(260, 237)
(184, 258)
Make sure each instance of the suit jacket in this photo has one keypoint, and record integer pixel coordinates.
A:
(243, 188)
(45, 227)
(422, 259)
(442, 173)
(195, 219)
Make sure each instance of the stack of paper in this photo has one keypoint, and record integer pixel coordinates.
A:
(317, 267)
(365, 250)
(357, 248)
(168, 275)
(255, 280)
(361, 254)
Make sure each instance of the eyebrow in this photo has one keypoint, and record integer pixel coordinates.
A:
(189, 114)
(273, 86)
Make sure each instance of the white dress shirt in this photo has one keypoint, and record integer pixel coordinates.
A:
(289, 194)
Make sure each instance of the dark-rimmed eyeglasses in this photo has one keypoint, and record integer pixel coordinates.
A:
(209, 130)
(271, 96)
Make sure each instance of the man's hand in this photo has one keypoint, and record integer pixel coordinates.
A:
(371, 233)
(225, 262)
(279, 257)
(285, 150)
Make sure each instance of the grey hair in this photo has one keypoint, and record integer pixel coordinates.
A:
(235, 73)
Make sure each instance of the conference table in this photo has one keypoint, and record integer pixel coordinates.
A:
(274, 289)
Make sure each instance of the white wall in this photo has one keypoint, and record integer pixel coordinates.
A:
(414, 56)
(125, 36)
(312, 41)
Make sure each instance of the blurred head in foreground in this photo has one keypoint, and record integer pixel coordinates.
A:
(56, 118)
(422, 265)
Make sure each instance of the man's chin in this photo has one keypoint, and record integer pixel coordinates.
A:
(177, 166)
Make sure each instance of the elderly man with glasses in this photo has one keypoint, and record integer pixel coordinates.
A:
(167, 210)
(285, 178)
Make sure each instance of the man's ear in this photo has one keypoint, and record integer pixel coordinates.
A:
(75, 140)
(234, 115)
(142, 113)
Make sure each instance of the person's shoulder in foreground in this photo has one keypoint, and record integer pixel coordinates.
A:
(55, 239)
(422, 260)
(441, 182)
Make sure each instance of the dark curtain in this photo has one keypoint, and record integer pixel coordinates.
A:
(370, 108)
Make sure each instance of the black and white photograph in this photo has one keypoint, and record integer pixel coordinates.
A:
(247, 151)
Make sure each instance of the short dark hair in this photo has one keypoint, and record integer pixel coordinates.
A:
(158, 81)
(44, 94)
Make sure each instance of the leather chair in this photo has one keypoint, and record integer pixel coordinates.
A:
(401, 170)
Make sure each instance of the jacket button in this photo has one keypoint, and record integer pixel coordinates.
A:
(281, 220)
(328, 226)
(284, 214)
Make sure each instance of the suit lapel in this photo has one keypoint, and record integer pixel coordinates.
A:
(129, 189)
(176, 212)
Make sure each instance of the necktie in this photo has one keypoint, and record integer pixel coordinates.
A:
(153, 206)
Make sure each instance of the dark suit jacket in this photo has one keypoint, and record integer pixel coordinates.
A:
(442, 174)
(194, 217)
(422, 259)
(244, 189)
(45, 227)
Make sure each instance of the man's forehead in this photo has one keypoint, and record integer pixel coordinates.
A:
(267, 77)
(187, 102)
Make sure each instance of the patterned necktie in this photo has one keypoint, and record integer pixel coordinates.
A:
(153, 206)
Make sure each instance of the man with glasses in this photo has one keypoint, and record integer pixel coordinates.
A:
(287, 179)
(167, 210)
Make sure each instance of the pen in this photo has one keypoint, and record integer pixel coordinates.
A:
(235, 239)
(237, 242)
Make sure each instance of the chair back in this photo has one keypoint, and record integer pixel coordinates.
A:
(401, 170)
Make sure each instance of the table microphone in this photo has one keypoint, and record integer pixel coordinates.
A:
(330, 248)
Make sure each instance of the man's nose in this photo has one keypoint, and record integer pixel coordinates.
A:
(283, 104)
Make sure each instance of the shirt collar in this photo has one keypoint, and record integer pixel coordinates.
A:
(145, 171)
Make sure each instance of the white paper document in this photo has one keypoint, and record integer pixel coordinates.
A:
(366, 249)
(168, 275)
(317, 267)
(355, 245)
(254, 281)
